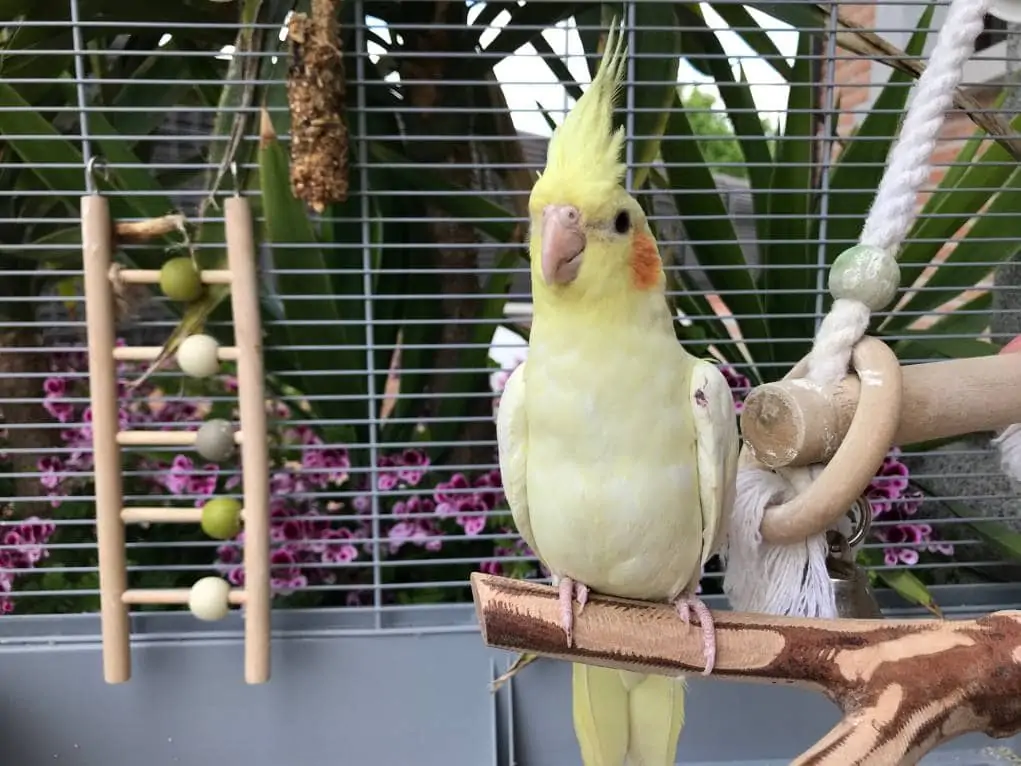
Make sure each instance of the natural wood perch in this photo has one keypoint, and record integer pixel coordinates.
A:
(793, 423)
(904, 686)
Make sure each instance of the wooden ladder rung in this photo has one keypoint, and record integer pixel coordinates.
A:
(157, 515)
(152, 276)
(151, 353)
(172, 596)
(161, 438)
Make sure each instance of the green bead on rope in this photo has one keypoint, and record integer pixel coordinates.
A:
(866, 274)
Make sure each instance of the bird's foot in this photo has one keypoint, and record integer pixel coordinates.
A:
(685, 604)
(569, 592)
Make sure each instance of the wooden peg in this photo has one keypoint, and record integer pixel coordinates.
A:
(162, 438)
(152, 276)
(97, 257)
(151, 353)
(791, 423)
(171, 596)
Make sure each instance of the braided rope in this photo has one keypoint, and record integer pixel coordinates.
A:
(792, 579)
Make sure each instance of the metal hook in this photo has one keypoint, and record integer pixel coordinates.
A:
(234, 177)
(91, 168)
(861, 525)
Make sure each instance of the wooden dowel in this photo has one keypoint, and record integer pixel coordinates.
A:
(172, 596)
(143, 515)
(244, 296)
(792, 423)
(904, 686)
(161, 515)
(152, 276)
(150, 353)
(162, 438)
(97, 256)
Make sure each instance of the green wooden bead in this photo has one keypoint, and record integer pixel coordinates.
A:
(221, 518)
(866, 274)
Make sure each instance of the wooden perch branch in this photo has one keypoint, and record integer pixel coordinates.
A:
(792, 423)
(904, 686)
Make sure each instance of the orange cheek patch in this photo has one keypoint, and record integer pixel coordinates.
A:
(646, 265)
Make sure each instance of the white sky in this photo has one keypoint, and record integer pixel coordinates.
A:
(526, 78)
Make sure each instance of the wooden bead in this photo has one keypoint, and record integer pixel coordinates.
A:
(865, 274)
(197, 356)
(215, 440)
(209, 599)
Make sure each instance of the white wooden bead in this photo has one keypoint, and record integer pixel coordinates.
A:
(196, 356)
(209, 599)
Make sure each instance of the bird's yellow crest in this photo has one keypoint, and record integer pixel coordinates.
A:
(584, 151)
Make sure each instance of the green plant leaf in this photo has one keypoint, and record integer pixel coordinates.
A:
(947, 348)
(708, 225)
(910, 588)
(656, 58)
(472, 361)
(488, 217)
(741, 111)
(525, 24)
(965, 189)
(995, 237)
(745, 27)
(788, 253)
(996, 533)
(315, 324)
(856, 174)
(970, 319)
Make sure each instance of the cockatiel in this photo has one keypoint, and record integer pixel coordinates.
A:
(618, 449)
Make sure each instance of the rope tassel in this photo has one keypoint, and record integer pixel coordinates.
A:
(791, 578)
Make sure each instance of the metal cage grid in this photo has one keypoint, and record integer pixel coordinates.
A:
(385, 488)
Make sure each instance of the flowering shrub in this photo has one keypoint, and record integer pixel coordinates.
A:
(332, 516)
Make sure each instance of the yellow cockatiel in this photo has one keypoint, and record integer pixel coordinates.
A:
(618, 449)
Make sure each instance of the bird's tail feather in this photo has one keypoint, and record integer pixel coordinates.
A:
(626, 719)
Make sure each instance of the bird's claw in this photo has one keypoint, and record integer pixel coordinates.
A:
(570, 591)
(687, 603)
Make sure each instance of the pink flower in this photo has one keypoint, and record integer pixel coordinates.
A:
(326, 465)
(286, 576)
(339, 552)
(51, 468)
(739, 385)
(491, 566)
(204, 484)
(415, 505)
(387, 480)
(178, 477)
(416, 532)
(489, 489)
(451, 495)
(413, 463)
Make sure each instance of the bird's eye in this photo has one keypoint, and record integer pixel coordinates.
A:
(622, 223)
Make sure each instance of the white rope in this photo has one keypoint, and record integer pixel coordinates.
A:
(792, 579)
(1008, 442)
(893, 209)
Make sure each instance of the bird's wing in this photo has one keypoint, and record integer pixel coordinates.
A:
(716, 446)
(512, 446)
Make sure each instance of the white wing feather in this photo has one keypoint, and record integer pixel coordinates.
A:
(512, 446)
(717, 446)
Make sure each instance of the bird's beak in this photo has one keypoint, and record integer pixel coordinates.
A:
(563, 243)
